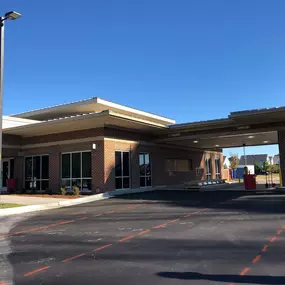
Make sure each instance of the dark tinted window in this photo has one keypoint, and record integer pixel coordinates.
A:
(65, 165)
(45, 167)
(142, 164)
(118, 164)
(126, 164)
(12, 168)
(118, 183)
(76, 165)
(28, 168)
(36, 167)
(86, 164)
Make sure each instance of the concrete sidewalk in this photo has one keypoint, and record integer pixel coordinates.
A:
(23, 200)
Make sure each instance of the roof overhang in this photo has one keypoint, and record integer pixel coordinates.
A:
(82, 122)
(220, 140)
(93, 105)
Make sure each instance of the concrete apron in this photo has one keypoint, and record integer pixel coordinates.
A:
(70, 202)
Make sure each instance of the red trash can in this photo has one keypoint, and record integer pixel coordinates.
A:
(11, 184)
(249, 181)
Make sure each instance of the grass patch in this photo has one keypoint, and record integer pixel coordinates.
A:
(5, 206)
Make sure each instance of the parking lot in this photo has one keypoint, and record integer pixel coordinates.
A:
(162, 237)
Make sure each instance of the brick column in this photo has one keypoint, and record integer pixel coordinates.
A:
(109, 165)
(19, 171)
(54, 169)
(281, 143)
(97, 167)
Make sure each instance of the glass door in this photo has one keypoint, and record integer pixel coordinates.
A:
(5, 173)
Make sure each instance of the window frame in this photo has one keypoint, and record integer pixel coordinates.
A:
(146, 176)
(32, 180)
(122, 169)
(208, 174)
(218, 167)
(70, 179)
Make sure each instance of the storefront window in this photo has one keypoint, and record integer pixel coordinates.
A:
(37, 172)
(208, 167)
(76, 170)
(145, 170)
(122, 169)
(218, 168)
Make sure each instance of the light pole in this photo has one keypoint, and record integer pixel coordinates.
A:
(8, 16)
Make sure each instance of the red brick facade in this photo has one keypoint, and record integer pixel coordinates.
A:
(107, 141)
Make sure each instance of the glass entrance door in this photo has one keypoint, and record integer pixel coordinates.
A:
(5, 172)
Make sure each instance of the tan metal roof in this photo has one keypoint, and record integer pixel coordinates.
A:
(85, 121)
(91, 105)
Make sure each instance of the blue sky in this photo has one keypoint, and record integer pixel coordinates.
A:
(188, 60)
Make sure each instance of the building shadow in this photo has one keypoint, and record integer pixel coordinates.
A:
(255, 201)
(249, 279)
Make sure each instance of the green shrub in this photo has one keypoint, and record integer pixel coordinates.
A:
(75, 190)
(62, 191)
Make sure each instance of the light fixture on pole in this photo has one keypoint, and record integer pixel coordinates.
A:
(12, 15)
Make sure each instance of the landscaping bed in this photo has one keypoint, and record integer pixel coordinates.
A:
(9, 205)
(48, 196)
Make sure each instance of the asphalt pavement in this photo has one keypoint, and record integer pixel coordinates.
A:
(162, 237)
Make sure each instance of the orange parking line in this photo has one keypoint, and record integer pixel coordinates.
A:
(273, 239)
(57, 224)
(126, 238)
(160, 226)
(174, 221)
(279, 232)
(83, 218)
(265, 248)
(74, 257)
(102, 247)
(36, 271)
(244, 271)
(256, 259)
(142, 233)
(66, 222)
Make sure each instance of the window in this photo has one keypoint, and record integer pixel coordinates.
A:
(76, 170)
(37, 172)
(208, 167)
(122, 169)
(179, 165)
(145, 170)
(218, 168)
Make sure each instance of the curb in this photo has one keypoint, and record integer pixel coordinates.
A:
(72, 202)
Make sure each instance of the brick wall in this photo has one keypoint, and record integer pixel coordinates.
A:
(103, 158)
(64, 136)
(97, 167)
(11, 139)
(281, 142)
(159, 155)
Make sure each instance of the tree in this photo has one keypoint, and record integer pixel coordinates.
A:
(257, 169)
(265, 166)
(234, 161)
(274, 168)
